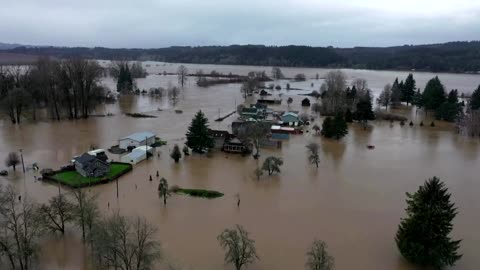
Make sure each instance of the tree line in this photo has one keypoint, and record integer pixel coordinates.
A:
(114, 242)
(66, 89)
(446, 57)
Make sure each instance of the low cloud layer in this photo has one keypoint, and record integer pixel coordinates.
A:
(161, 23)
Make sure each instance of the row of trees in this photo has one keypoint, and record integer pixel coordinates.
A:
(68, 88)
(115, 241)
(240, 250)
(398, 92)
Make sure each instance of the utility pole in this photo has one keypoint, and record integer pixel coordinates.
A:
(146, 148)
(21, 157)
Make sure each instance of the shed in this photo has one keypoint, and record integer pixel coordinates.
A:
(136, 156)
(137, 139)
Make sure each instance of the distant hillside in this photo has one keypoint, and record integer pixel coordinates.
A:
(447, 57)
(8, 46)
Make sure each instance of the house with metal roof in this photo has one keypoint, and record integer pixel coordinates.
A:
(137, 139)
(290, 119)
(136, 156)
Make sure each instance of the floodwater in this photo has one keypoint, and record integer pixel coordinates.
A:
(353, 201)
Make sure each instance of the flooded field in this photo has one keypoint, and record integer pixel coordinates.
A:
(353, 201)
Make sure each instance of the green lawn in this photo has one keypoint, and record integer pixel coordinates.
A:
(209, 194)
(74, 179)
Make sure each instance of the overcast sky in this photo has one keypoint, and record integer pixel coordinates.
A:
(161, 23)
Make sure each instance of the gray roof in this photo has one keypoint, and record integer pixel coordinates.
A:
(136, 154)
(139, 136)
(85, 158)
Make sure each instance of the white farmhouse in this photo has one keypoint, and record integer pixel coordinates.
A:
(137, 139)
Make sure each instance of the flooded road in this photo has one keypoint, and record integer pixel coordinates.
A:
(353, 201)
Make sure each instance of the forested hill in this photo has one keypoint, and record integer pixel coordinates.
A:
(447, 57)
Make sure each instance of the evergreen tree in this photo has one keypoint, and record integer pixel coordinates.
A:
(364, 108)
(124, 80)
(349, 116)
(450, 109)
(434, 94)
(423, 236)
(418, 99)
(408, 89)
(176, 154)
(396, 96)
(334, 128)
(475, 99)
(198, 135)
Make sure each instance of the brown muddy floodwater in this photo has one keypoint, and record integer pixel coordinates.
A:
(353, 201)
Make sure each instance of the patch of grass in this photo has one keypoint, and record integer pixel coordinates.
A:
(140, 115)
(203, 193)
(74, 179)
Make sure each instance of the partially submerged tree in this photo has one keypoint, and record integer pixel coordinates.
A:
(254, 132)
(423, 236)
(272, 164)
(474, 103)
(186, 151)
(176, 154)
(385, 96)
(334, 95)
(408, 89)
(198, 135)
(57, 213)
(334, 128)
(258, 173)
(364, 109)
(85, 211)
(239, 247)
(434, 94)
(20, 231)
(277, 73)
(123, 243)
(163, 191)
(318, 257)
(313, 150)
(289, 101)
(12, 160)
(182, 74)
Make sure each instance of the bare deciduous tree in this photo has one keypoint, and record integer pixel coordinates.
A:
(57, 213)
(334, 87)
(239, 248)
(318, 257)
(385, 96)
(277, 73)
(182, 74)
(163, 190)
(272, 164)
(123, 243)
(85, 211)
(12, 160)
(20, 231)
(313, 150)
(254, 132)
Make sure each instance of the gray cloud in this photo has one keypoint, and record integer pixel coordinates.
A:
(159, 23)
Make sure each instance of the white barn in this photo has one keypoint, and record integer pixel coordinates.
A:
(135, 156)
(137, 139)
